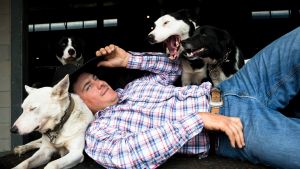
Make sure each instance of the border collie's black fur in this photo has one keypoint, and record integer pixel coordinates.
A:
(217, 49)
(70, 50)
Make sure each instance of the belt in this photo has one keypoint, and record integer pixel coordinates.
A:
(215, 101)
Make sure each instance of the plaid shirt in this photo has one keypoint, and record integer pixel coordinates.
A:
(152, 120)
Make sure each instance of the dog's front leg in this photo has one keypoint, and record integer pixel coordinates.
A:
(27, 147)
(74, 157)
(40, 157)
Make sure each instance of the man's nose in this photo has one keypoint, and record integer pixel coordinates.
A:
(98, 84)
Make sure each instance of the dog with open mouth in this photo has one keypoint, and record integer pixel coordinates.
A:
(171, 29)
(217, 49)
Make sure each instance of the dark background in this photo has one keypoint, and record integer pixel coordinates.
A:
(251, 35)
(133, 26)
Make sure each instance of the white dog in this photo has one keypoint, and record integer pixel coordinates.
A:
(61, 117)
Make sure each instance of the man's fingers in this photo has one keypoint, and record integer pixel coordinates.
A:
(240, 134)
(235, 134)
(106, 50)
(101, 52)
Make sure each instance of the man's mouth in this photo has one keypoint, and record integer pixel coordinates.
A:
(103, 90)
(173, 45)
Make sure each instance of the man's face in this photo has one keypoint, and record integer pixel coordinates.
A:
(95, 93)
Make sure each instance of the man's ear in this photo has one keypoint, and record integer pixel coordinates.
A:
(29, 89)
(61, 88)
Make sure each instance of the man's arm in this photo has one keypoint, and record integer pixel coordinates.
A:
(114, 56)
(115, 148)
(231, 126)
(166, 70)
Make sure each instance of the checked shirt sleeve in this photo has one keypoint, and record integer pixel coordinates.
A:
(166, 70)
(113, 148)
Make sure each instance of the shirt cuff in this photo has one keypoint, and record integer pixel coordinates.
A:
(134, 62)
(193, 124)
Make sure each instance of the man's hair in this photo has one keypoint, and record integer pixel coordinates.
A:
(75, 70)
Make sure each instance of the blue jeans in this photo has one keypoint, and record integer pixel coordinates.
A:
(255, 94)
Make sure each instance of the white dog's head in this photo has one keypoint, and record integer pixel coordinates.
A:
(43, 108)
(172, 29)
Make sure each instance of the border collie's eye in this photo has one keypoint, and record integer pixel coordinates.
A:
(166, 22)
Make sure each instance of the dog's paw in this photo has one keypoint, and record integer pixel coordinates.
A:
(19, 150)
(21, 166)
(51, 166)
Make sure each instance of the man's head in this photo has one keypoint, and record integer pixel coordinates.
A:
(89, 82)
(97, 94)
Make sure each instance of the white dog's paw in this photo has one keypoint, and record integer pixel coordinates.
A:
(51, 166)
(21, 166)
(19, 150)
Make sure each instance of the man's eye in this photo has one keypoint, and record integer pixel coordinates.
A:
(95, 77)
(87, 88)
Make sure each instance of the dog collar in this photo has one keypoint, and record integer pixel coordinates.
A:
(52, 134)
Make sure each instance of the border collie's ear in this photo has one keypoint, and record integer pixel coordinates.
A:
(227, 39)
(29, 89)
(60, 90)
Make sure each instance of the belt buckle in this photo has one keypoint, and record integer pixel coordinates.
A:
(215, 100)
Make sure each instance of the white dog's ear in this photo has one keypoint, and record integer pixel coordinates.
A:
(29, 89)
(62, 87)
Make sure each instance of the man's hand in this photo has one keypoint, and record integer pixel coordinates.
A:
(114, 56)
(232, 126)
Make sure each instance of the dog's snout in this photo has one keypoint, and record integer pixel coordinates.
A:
(186, 45)
(14, 129)
(71, 51)
(183, 43)
(150, 38)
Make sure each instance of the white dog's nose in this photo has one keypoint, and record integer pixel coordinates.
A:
(151, 39)
(14, 129)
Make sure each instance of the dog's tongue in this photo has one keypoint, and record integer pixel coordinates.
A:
(173, 43)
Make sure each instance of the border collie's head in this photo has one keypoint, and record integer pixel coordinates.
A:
(69, 51)
(208, 43)
(171, 29)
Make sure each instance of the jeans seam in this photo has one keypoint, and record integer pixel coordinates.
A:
(282, 81)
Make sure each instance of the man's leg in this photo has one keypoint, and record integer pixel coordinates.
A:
(270, 137)
(273, 74)
(263, 86)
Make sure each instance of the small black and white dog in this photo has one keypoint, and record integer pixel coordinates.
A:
(171, 29)
(217, 49)
(70, 50)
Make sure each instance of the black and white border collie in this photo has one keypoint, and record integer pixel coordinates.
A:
(171, 29)
(70, 51)
(216, 48)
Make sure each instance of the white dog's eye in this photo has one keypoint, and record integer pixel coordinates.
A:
(32, 108)
(166, 22)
